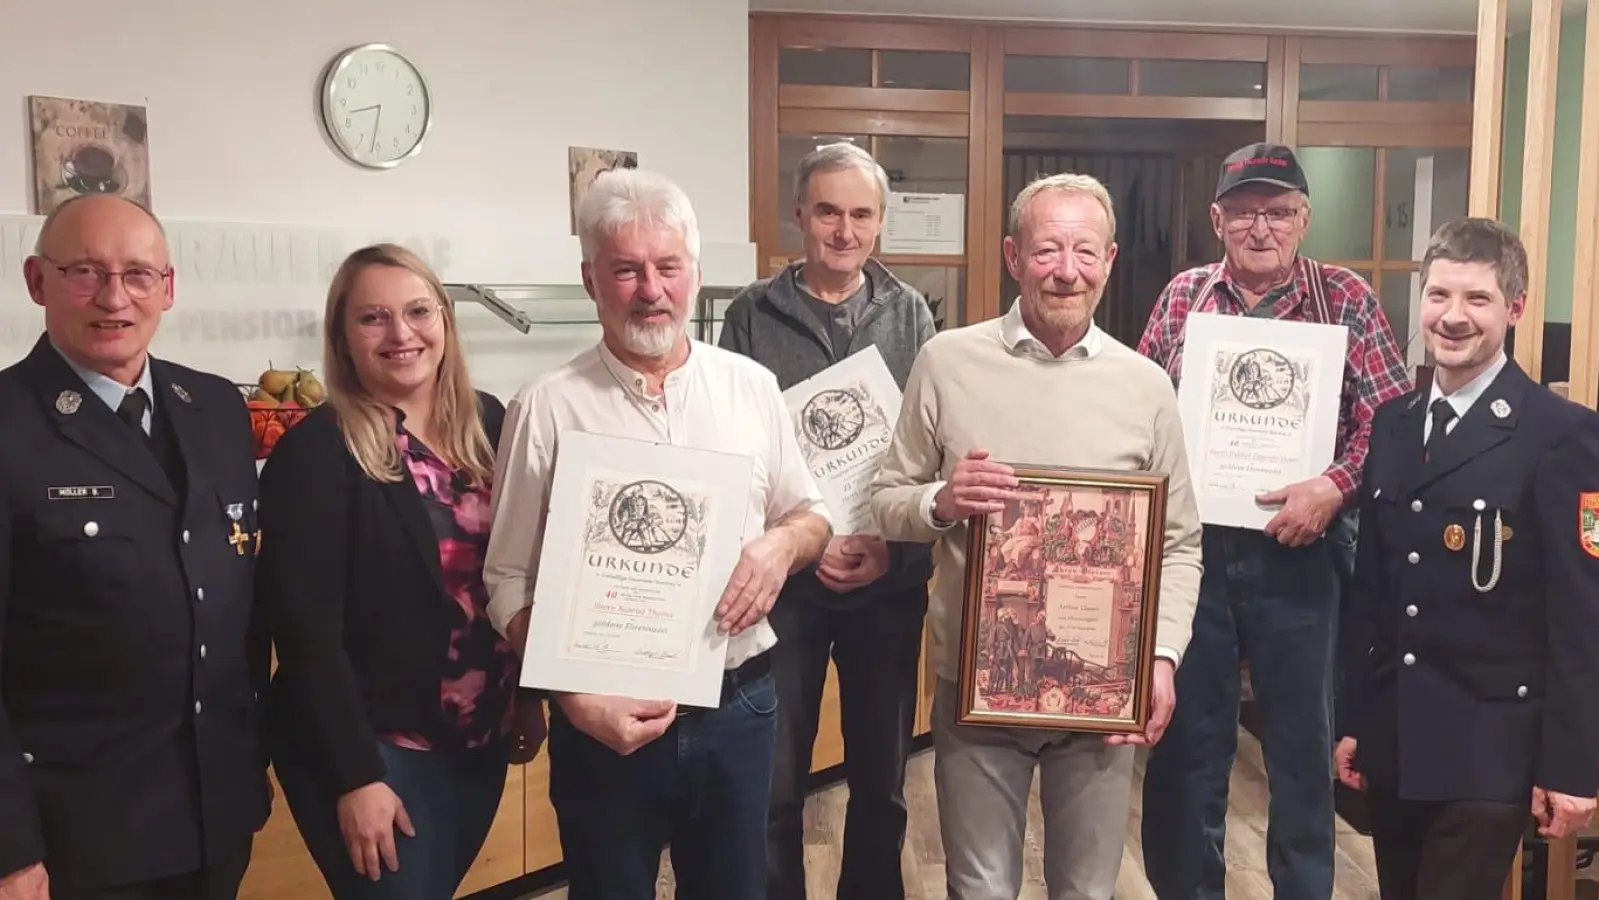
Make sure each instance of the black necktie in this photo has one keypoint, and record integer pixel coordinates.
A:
(1443, 412)
(134, 403)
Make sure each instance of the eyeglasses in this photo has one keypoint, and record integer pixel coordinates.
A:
(1278, 218)
(418, 316)
(87, 279)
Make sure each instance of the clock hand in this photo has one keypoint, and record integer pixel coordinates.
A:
(375, 124)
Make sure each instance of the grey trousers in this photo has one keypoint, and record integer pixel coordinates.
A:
(984, 775)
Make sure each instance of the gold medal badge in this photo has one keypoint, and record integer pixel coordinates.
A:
(1454, 537)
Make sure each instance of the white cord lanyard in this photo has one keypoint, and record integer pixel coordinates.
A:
(1476, 552)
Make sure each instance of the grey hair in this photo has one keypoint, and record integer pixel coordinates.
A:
(623, 198)
(832, 158)
(1066, 183)
(50, 220)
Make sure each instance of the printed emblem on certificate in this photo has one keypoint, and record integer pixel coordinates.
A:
(1259, 402)
(638, 545)
(1062, 599)
(844, 417)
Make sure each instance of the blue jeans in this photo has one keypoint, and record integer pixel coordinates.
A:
(451, 798)
(1276, 607)
(703, 787)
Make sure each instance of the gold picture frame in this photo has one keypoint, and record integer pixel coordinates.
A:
(1061, 603)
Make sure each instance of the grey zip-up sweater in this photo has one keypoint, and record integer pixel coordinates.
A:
(772, 323)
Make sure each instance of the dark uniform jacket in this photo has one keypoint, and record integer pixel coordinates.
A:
(1473, 663)
(130, 743)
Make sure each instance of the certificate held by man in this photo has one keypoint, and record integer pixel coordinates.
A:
(1259, 402)
(641, 539)
(844, 417)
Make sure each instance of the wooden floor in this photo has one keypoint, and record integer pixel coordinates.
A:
(924, 861)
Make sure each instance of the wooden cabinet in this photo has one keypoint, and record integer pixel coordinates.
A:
(524, 837)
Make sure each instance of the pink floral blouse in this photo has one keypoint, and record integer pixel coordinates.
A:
(481, 673)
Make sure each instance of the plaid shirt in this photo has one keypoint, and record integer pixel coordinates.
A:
(1374, 370)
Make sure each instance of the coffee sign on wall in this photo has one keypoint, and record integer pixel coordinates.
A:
(83, 147)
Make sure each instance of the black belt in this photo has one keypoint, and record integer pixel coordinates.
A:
(733, 679)
(751, 670)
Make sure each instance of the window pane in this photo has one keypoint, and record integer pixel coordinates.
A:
(1394, 289)
(834, 67)
(1337, 82)
(1422, 190)
(943, 286)
(1066, 75)
(924, 165)
(791, 148)
(1194, 78)
(1433, 85)
(924, 70)
(1343, 189)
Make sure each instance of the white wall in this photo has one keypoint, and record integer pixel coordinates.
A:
(261, 208)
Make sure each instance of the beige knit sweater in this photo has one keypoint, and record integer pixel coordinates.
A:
(971, 389)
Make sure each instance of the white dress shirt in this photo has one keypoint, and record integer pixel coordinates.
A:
(717, 400)
(1013, 331)
(1462, 399)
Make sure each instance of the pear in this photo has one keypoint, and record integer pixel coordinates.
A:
(276, 382)
(308, 390)
(261, 398)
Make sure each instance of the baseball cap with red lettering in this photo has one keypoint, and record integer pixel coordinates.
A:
(1262, 164)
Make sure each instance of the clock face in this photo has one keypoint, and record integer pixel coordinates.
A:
(376, 106)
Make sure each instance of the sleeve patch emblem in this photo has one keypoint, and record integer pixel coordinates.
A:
(1588, 522)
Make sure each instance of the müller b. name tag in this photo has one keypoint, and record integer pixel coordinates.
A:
(97, 492)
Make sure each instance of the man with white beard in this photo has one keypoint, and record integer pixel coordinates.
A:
(620, 791)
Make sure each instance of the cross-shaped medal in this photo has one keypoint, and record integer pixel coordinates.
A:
(238, 539)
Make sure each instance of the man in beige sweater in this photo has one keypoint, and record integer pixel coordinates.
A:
(1040, 386)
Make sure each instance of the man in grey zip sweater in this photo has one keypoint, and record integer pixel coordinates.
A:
(864, 603)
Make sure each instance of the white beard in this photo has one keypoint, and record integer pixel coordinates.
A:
(651, 340)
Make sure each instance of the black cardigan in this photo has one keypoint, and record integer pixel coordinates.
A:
(349, 575)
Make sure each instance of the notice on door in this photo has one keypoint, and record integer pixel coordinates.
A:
(929, 224)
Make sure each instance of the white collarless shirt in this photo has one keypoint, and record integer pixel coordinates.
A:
(717, 400)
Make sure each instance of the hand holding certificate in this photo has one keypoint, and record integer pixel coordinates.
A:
(844, 417)
(640, 543)
(1259, 400)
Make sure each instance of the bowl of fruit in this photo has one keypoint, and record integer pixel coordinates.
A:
(278, 400)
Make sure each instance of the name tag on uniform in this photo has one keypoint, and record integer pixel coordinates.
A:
(96, 492)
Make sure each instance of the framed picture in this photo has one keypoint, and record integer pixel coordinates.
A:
(85, 147)
(1062, 595)
(585, 164)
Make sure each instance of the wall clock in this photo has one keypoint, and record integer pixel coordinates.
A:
(376, 106)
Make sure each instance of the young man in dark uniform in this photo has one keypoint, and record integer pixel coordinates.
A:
(1472, 631)
(863, 605)
(130, 762)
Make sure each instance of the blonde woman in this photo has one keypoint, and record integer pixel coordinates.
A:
(390, 715)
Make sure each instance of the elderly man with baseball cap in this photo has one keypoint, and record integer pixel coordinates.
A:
(1267, 597)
